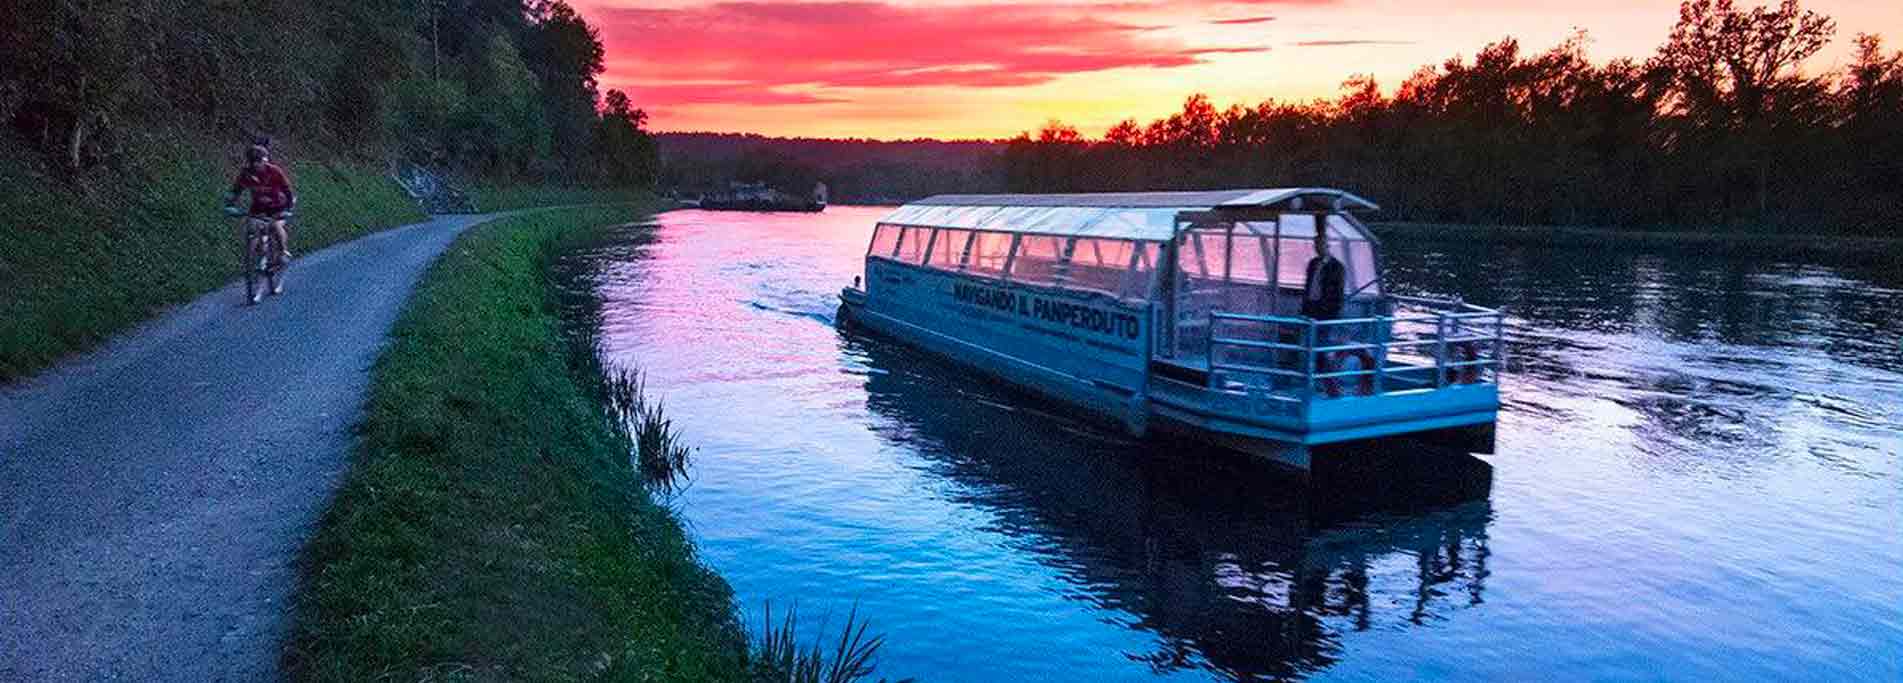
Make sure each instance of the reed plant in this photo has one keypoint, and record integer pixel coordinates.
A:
(775, 656)
(660, 451)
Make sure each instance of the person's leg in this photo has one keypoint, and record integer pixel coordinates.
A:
(284, 241)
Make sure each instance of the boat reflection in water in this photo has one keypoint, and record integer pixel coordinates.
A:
(1237, 566)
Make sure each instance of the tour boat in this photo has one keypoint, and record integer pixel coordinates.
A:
(1181, 311)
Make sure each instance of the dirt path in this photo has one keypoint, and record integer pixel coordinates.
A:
(154, 493)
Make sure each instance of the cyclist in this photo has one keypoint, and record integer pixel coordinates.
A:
(271, 194)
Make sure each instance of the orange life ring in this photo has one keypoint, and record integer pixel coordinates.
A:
(1366, 386)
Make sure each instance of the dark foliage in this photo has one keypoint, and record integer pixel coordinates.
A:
(1720, 129)
(501, 88)
(856, 171)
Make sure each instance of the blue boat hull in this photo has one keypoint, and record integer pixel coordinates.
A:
(1091, 352)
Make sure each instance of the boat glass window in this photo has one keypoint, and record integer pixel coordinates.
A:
(989, 251)
(1364, 279)
(912, 245)
(1250, 256)
(1138, 281)
(1039, 260)
(949, 248)
(1346, 243)
(1297, 247)
(1204, 257)
(885, 241)
(1100, 264)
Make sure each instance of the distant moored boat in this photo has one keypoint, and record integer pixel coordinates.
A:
(759, 197)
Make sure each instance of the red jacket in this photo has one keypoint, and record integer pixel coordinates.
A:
(270, 188)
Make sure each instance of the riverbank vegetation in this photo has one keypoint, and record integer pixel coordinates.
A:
(496, 523)
(1722, 128)
(491, 525)
(508, 197)
(124, 123)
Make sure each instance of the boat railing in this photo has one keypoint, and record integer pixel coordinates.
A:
(1421, 344)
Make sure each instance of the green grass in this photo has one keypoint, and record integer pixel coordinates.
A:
(87, 259)
(490, 197)
(492, 526)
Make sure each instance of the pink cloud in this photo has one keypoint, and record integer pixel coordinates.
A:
(700, 93)
(1244, 20)
(774, 53)
(1343, 43)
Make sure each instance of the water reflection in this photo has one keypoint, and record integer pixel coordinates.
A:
(1845, 310)
(1238, 567)
(1696, 479)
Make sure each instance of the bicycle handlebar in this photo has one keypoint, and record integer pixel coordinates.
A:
(236, 212)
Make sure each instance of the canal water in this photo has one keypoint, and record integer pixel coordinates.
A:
(1698, 477)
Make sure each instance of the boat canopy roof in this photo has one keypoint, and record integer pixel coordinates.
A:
(1149, 216)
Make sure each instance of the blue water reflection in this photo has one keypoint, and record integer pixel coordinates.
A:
(1697, 477)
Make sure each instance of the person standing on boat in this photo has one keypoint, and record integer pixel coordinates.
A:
(1327, 281)
(1322, 294)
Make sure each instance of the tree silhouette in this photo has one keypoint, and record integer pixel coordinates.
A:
(1721, 129)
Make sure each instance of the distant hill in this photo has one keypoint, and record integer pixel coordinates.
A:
(856, 171)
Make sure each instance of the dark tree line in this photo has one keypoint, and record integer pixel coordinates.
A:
(1720, 128)
(855, 171)
(502, 88)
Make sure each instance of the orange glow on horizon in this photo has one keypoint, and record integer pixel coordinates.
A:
(993, 68)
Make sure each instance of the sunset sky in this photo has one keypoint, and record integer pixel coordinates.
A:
(993, 68)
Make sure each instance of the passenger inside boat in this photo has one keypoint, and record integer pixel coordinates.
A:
(1323, 290)
(1325, 284)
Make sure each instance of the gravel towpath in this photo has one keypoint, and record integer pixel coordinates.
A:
(154, 493)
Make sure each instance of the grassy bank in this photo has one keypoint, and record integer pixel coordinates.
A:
(1741, 243)
(491, 525)
(88, 258)
(490, 197)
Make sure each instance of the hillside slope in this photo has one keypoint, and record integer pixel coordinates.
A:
(87, 258)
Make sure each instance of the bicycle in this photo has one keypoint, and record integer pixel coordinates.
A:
(263, 258)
